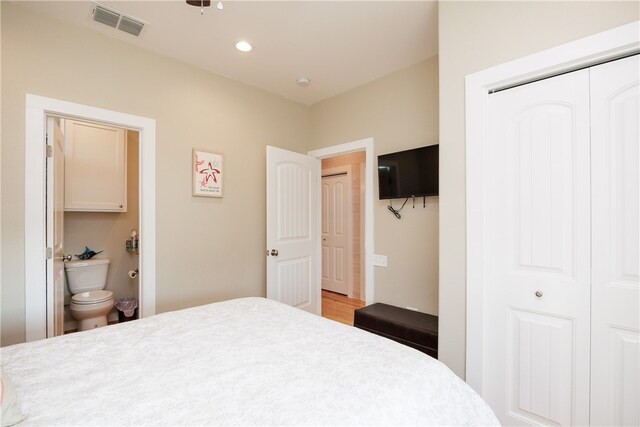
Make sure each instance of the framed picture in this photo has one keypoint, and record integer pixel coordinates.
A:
(208, 173)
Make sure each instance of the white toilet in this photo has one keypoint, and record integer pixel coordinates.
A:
(90, 303)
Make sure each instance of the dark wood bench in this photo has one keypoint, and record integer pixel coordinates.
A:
(408, 327)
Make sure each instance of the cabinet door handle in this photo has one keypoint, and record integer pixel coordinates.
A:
(539, 294)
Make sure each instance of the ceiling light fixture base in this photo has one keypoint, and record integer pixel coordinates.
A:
(304, 81)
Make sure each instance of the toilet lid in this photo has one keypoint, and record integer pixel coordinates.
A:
(91, 297)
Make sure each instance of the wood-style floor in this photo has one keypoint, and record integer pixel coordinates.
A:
(339, 307)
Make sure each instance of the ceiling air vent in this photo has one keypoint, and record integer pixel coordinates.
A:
(115, 19)
(131, 26)
(106, 16)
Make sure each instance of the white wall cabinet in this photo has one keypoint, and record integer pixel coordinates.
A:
(95, 168)
(562, 261)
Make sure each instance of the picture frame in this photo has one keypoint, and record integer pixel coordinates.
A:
(207, 172)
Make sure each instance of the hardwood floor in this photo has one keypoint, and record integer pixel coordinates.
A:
(339, 307)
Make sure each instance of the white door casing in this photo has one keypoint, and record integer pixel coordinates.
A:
(615, 321)
(366, 145)
(336, 225)
(362, 284)
(55, 227)
(36, 111)
(292, 259)
(538, 256)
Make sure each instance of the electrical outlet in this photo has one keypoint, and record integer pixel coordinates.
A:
(380, 260)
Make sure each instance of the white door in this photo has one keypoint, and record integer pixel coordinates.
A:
(292, 217)
(615, 362)
(336, 227)
(538, 259)
(55, 228)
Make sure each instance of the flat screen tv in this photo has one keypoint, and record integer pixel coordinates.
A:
(411, 173)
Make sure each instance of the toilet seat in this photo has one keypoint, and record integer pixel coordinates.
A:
(93, 297)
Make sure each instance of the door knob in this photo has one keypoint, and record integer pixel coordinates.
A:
(539, 294)
(274, 252)
(66, 257)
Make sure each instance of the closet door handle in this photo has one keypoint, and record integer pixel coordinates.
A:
(274, 252)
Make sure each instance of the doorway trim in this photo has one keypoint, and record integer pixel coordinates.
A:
(601, 47)
(35, 259)
(367, 146)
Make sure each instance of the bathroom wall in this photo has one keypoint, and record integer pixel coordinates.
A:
(108, 231)
(357, 162)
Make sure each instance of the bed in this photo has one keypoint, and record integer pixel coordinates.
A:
(248, 361)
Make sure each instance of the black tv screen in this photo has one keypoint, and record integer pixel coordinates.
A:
(408, 173)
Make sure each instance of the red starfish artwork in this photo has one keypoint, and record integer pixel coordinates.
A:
(209, 173)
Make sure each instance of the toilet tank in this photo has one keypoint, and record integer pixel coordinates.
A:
(86, 275)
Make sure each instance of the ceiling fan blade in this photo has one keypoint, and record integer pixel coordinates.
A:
(199, 3)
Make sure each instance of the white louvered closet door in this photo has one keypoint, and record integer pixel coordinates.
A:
(615, 124)
(562, 263)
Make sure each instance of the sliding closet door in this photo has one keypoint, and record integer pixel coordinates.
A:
(615, 362)
(538, 259)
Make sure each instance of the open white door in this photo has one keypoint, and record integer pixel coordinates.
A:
(55, 227)
(292, 218)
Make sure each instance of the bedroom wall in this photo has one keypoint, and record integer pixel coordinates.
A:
(207, 249)
(474, 36)
(400, 111)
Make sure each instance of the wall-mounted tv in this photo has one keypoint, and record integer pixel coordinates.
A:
(411, 173)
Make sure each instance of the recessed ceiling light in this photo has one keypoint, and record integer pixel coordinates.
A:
(243, 46)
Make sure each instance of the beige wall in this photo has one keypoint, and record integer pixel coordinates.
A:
(400, 111)
(108, 231)
(207, 249)
(357, 161)
(474, 36)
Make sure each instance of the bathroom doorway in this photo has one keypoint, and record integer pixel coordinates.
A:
(98, 191)
(39, 322)
(342, 235)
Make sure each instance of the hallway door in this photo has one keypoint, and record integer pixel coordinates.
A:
(336, 233)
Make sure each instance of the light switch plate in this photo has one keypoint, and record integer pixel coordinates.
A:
(380, 260)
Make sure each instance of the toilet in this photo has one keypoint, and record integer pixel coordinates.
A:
(90, 303)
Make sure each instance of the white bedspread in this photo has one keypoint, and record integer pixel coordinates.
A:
(245, 361)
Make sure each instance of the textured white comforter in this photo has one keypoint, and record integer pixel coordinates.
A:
(245, 361)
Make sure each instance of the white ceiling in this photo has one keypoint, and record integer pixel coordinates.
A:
(337, 44)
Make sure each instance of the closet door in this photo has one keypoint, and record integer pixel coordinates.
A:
(538, 256)
(615, 361)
